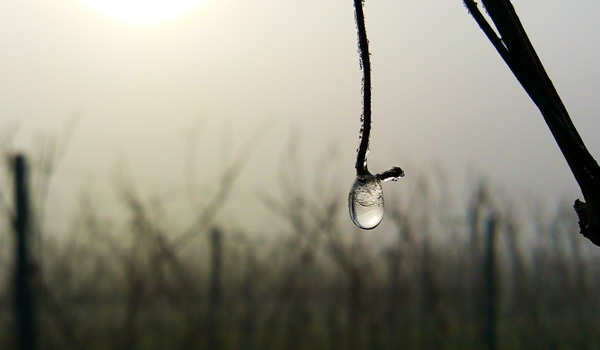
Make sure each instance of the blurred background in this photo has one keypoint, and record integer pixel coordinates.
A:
(189, 178)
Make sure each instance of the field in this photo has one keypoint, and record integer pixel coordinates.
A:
(486, 273)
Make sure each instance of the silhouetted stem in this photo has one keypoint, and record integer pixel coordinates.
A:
(363, 47)
(517, 51)
(392, 174)
(365, 129)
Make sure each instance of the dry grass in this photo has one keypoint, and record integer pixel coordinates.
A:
(316, 284)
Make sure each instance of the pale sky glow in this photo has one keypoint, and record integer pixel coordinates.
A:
(143, 11)
(441, 94)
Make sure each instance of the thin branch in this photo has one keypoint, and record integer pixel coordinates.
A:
(206, 218)
(520, 56)
(365, 63)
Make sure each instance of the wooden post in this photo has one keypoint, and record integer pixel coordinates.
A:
(23, 298)
(491, 288)
(214, 293)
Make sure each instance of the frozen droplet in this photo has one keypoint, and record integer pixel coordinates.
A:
(365, 201)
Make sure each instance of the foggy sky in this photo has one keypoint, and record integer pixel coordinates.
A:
(441, 94)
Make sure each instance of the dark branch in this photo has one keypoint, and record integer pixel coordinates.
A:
(365, 63)
(516, 50)
(393, 174)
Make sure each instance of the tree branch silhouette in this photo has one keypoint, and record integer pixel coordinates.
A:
(365, 129)
(516, 50)
(365, 64)
(366, 195)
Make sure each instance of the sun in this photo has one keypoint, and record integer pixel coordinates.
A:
(143, 11)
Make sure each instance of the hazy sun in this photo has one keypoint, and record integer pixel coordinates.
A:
(143, 11)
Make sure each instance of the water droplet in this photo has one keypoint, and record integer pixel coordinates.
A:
(365, 202)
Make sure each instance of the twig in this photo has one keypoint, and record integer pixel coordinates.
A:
(206, 218)
(365, 63)
(365, 129)
(516, 50)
